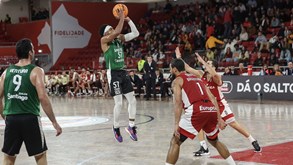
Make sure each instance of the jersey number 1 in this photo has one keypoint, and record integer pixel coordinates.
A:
(17, 82)
(201, 92)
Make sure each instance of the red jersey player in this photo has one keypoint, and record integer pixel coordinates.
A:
(214, 82)
(201, 111)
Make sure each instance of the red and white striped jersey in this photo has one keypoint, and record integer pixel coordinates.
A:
(193, 90)
(214, 87)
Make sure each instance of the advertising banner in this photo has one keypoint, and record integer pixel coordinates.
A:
(75, 25)
(258, 87)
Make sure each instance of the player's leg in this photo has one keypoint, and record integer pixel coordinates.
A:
(238, 127)
(41, 159)
(8, 160)
(174, 149)
(34, 138)
(12, 139)
(187, 129)
(203, 145)
(229, 118)
(222, 149)
(117, 111)
(211, 129)
(115, 90)
(127, 90)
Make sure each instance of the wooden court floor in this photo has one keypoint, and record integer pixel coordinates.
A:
(87, 137)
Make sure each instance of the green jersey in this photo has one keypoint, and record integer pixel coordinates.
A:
(114, 56)
(20, 94)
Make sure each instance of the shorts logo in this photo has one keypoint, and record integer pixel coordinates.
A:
(227, 87)
(116, 87)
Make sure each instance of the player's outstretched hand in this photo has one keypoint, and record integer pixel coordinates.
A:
(57, 128)
(121, 14)
(199, 58)
(176, 131)
(221, 123)
(177, 52)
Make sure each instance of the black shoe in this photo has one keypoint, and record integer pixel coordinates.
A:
(202, 152)
(256, 146)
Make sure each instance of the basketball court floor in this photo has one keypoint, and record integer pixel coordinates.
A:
(87, 137)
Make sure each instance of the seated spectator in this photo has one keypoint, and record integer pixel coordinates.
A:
(243, 36)
(246, 57)
(210, 55)
(160, 82)
(261, 41)
(275, 43)
(246, 23)
(198, 41)
(95, 83)
(228, 55)
(265, 70)
(227, 71)
(289, 71)
(275, 22)
(273, 59)
(136, 82)
(241, 69)
(237, 54)
(277, 71)
(63, 86)
(105, 84)
(286, 55)
(259, 60)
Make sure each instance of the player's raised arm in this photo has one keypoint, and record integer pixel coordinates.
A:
(216, 77)
(109, 36)
(134, 32)
(189, 69)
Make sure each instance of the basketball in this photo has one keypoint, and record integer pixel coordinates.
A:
(120, 6)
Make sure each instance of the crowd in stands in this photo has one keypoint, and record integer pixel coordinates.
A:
(88, 82)
(251, 32)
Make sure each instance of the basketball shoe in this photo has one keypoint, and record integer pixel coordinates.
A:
(202, 152)
(256, 146)
(117, 135)
(132, 132)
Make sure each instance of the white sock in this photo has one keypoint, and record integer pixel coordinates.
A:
(251, 139)
(168, 163)
(131, 123)
(203, 144)
(230, 160)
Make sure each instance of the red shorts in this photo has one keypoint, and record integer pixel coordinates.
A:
(201, 115)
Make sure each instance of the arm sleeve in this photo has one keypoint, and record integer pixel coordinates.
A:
(133, 34)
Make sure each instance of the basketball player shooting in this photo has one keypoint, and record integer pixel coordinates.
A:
(119, 81)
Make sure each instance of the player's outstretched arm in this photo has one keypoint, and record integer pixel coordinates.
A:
(189, 69)
(117, 30)
(37, 78)
(2, 93)
(216, 77)
(134, 32)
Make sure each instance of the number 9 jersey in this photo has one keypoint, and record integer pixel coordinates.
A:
(21, 96)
